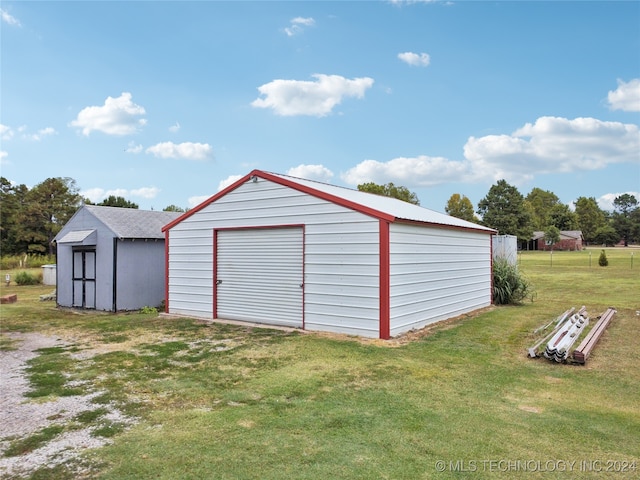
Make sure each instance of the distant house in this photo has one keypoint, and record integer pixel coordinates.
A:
(569, 240)
(111, 259)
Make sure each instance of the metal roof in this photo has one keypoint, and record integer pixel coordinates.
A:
(398, 209)
(379, 206)
(83, 237)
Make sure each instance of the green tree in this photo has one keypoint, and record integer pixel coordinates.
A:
(48, 206)
(12, 199)
(390, 190)
(504, 209)
(173, 208)
(113, 201)
(607, 235)
(461, 207)
(623, 219)
(541, 203)
(551, 235)
(590, 217)
(563, 218)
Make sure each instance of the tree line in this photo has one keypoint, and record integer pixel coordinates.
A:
(30, 218)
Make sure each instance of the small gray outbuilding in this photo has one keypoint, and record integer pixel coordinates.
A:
(111, 258)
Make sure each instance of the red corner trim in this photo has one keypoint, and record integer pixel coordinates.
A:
(385, 288)
(166, 271)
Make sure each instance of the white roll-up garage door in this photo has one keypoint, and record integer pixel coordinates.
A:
(259, 275)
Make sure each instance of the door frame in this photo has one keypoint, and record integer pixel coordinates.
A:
(85, 281)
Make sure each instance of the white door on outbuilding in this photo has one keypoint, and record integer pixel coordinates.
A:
(259, 275)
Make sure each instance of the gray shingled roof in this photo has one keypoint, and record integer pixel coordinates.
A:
(131, 222)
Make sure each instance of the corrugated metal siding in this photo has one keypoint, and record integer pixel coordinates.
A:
(259, 276)
(341, 255)
(436, 274)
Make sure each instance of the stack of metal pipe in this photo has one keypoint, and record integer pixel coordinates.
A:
(558, 347)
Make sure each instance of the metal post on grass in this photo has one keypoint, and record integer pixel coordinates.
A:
(551, 257)
(589, 259)
(632, 260)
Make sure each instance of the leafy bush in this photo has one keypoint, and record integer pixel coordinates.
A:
(25, 278)
(602, 261)
(509, 286)
(148, 309)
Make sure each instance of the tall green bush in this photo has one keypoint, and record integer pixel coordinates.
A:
(509, 285)
(25, 278)
(603, 261)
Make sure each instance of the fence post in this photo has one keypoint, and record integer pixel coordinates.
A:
(589, 259)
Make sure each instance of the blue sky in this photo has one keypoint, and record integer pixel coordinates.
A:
(168, 102)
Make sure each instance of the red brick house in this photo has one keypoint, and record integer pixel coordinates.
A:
(569, 240)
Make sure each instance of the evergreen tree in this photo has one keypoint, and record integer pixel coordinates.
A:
(48, 206)
(504, 209)
(623, 216)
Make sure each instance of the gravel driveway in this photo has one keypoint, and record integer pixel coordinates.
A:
(22, 417)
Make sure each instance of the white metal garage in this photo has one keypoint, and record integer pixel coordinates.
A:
(287, 251)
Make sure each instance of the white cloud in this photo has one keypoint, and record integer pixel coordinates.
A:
(118, 116)
(9, 19)
(228, 181)
(134, 148)
(550, 145)
(174, 128)
(97, 194)
(185, 150)
(315, 98)
(3, 157)
(319, 173)
(297, 24)
(626, 97)
(43, 132)
(6, 132)
(413, 171)
(415, 59)
(553, 145)
(605, 202)
(145, 192)
(197, 200)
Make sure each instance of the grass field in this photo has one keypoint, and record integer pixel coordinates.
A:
(229, 402)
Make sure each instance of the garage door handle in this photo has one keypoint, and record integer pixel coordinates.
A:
(218, 282)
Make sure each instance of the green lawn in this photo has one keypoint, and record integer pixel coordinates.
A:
(228, 402)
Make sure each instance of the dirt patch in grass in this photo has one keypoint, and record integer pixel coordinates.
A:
(44, 432)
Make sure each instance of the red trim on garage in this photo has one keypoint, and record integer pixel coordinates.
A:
(215, 273)
(287, 183)
(166, 271)
(385, 288)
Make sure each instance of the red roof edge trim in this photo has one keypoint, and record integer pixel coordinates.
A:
(324, 196)
(208, 201)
